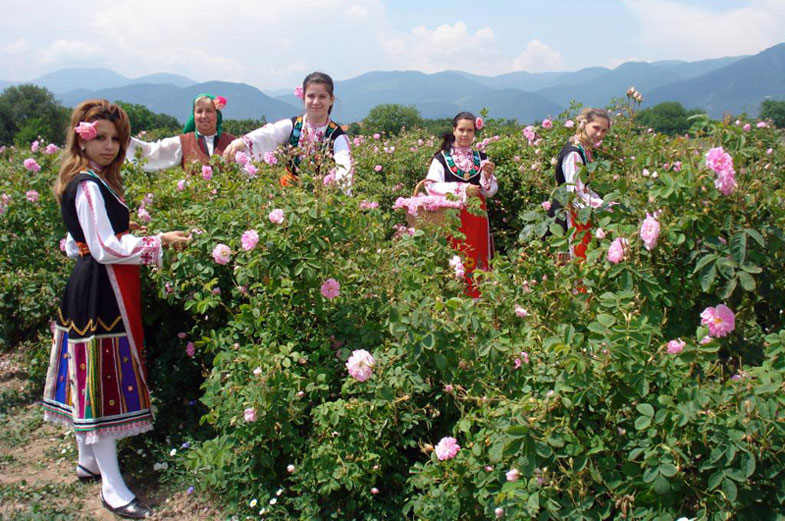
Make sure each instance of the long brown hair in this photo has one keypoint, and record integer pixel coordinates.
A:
(73, 159)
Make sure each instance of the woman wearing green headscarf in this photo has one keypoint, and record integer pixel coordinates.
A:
(202, 137)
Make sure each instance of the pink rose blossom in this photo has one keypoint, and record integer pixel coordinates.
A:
(62, 244)
(616, 251)
(330, 289)
(143, 215)
(725, 181)
(219, 102)
(51, 148)
(251, 170)
(720, 320)
(547, 123)
(457, 265)
(521, 312)
(769, 151)
(479, 123)
(498, 512)
(546, 205)
(222, 254)
(249, 240)
(34, 146)
(270, 159)
(360, 364)
(650, 231)
(528, 133)
(676, 346)
(762, 124)
(298, 91)
(369, 205)
(181, 185)
(517, 364)
(512, 474)
(86, 131)
(447, 448)
(32, 165)
(718, 160)
(378, 168)
(276, 216)
(677, 166)
(569, 123)
(525, 357)
(328, 179)
(249, 415)
(207, 172)
(182, 335)
(705, 340)
(600, 233)
(241, 158)
(32, 196)
(190, 349)
(257, 371)
(747, 127)
(148, 200)
(377, 136)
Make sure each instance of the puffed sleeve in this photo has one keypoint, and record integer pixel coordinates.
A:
(267, 138)
(104, 245)
(571, 166)
(436, 184)
(164, 153)
(343, 162)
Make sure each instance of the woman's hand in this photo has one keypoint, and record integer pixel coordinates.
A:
(136, 227)
(176, 239)
(238, 145)
(489, 168)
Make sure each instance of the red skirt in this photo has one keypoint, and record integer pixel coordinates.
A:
(476, 248)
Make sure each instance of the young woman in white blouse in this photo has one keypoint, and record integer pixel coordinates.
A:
(593, 125)
(460, 170)
(311, 134)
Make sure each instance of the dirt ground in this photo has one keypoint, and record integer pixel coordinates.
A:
(37, 466)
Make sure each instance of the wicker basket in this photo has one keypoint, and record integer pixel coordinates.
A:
(425, 217)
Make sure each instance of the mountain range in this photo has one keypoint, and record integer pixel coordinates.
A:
(725, 85)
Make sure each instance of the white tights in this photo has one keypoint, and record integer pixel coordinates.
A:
(104, 454)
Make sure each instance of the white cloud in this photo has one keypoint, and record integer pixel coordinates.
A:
(16, 47)
(444, 47)
(673, 29)
(357, 11)
(538, 57)
(69, 50)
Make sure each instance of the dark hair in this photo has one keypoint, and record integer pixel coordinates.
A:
(448, 138)
(73, 160)
(324, 79)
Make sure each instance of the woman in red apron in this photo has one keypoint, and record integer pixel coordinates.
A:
(459, 169)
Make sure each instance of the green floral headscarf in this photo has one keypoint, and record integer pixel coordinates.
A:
(190, 125)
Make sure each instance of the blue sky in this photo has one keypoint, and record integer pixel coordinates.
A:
(272, 44)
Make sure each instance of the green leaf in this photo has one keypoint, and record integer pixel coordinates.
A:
(427, 341)
(748, 464)
(746, 280)
(704, 261)
(661, 485)
(729, 487)
(668, 470)
(606, 320)
(645, 409)
(738, 247)
(518, 430)
(642, 422)
(756, 236)
(441, 362)
(496, 452)
(715, 479)
(707, 276)
(650, 474)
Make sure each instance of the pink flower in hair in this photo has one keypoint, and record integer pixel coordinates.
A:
(298, 91)
(219, 102)
(479, 123)
(87, 131)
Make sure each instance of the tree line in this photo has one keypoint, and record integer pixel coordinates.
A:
(29, 112)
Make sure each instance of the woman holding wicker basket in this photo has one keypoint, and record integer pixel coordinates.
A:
(467, 173)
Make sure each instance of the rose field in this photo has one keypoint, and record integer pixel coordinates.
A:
(644, 383)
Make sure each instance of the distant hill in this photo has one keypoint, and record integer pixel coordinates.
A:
(735, 88)
(732, 84)
(245, 101)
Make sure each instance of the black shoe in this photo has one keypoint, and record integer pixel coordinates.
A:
(133, 510)
(90, 475)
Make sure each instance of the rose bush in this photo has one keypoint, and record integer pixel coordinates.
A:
(568, 391)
